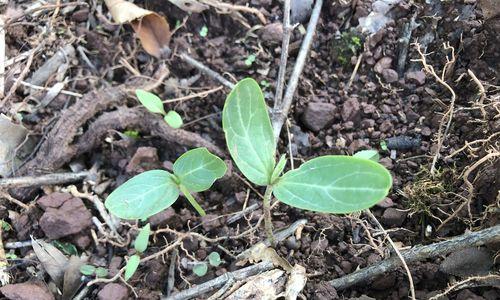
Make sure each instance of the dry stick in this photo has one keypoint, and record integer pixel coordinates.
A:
(418, 253)
(2, 57)
(193, 62)
(281, 114)
(197, 95)
(49, 179)
(220, 281)
(408, 273)
(468, 283)
(287, 30)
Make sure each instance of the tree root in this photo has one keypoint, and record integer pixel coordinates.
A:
(482, 237)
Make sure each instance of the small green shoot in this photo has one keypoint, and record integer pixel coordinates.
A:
(214, 259)
(383, 145)
(250, 60)
(200, 269)
(204, 31)
(101, 272)
(265, 84)
(66, 248)
(368, 154)
(154, 104)
(87, 270)
(131, 267)
(132, 134)
(141, 242)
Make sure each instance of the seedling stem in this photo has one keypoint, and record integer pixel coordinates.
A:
(191, 200)
(267, 213)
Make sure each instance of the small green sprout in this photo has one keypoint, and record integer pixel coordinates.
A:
(250, 60)
(140, 245)
(383, 145)
(204, 31)
(265, 84)
(200, 269)
(66, 248)
(214, 259)
(132, 134)
(328, 184)
(90, 270)
(154, 104)
(368, 154)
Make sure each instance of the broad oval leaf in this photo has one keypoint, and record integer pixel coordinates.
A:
(197, 169)
(200, 269)
(214, 259)
(143, 195)
(334, 184)
(87, 270)
(131, 266)
(368, 154)
(152, 102)
(142, 239)
(173, 119)
(249, 135)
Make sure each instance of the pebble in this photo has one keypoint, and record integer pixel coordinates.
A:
(382, 64)
(393, 217)
(351, 110)
(272, 33)
(318, 115)
(390, 75)
(113, 291)
(144, 159)
(26, 291)
(416, 77)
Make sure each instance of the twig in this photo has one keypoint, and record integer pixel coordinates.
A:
(482, 92)
(279, 116)
(200, 95)
(418, 253)
(404, 41)
(49, 179)
(220, 281)
(287, 30)
(233, 7)
(398, 253)
(467, 283)
(13, 200)
(193, 62)
(17, 245)
(2, 57)
(355, 71)
(171, 272)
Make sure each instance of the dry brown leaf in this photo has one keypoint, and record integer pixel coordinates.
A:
(12, 135)
(260, 252)
(72, 281)
(265, 286)
(296, 282)
(53, 261)
(151, 28)
(192, 6)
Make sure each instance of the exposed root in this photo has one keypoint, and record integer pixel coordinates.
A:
(448, 115)
(468, 283)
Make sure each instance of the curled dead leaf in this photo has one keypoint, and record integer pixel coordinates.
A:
(151, 28)
(53, 261)
(296, 282)
(260, 252)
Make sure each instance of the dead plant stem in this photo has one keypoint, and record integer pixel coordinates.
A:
(266, 206)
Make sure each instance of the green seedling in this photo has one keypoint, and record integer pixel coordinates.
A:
(66, 248)
(328, 184)
(368, 154)
(90, 270)
(383, 145)
(132, 134)
(204, 31)
(154, 104)
(201, 268)
(265, 84)
(250, 60)
(140, 245)
(153, 191)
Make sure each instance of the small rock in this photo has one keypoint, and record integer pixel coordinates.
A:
(272, 33)
(323, 291)
(317, 115)
(390, 75)
(467, 262)
(70, 218)
(210, 221)
(393, 217)
(367, 123)
(386, 126)
(369, 108)
(373, 258)
(346, 266)
(165, 217)
(113, 291)
(426, 131)
(144, 159)
(114, 265)
(80, 15)
(26, 291)
(53, 200)
(82, 241)
(357, 145)
(382, 64)
(386, 203)
(351, 110)
(319, 245)
(416, 77)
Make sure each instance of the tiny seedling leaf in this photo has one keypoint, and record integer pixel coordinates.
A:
(200, 269)
(141, 242)
(214, 259)
(150, 101)
(279, 168)
(204, 31)
(334, 184)
(87, 270)
(197, 169)
(101, 272)
(173, 119)
(368, 154)
(66, 248)
(248, 131)
(143, 195)
(131, 266)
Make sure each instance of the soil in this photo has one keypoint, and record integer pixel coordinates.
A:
(393, 107)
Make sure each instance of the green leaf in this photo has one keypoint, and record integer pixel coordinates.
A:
(204, 31)
(279, 168)
(214, 259)
(143, 195)
(150, 101)
(334, 184)
(200, 269)
(197, 169)
(67, 248)
(250, 59)
(141, 242)
(101, 272)
(131, 266)
(87, 270)
(132, 134)
(173, 119)
(383, 145)
(248, 131)
(368, 154)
